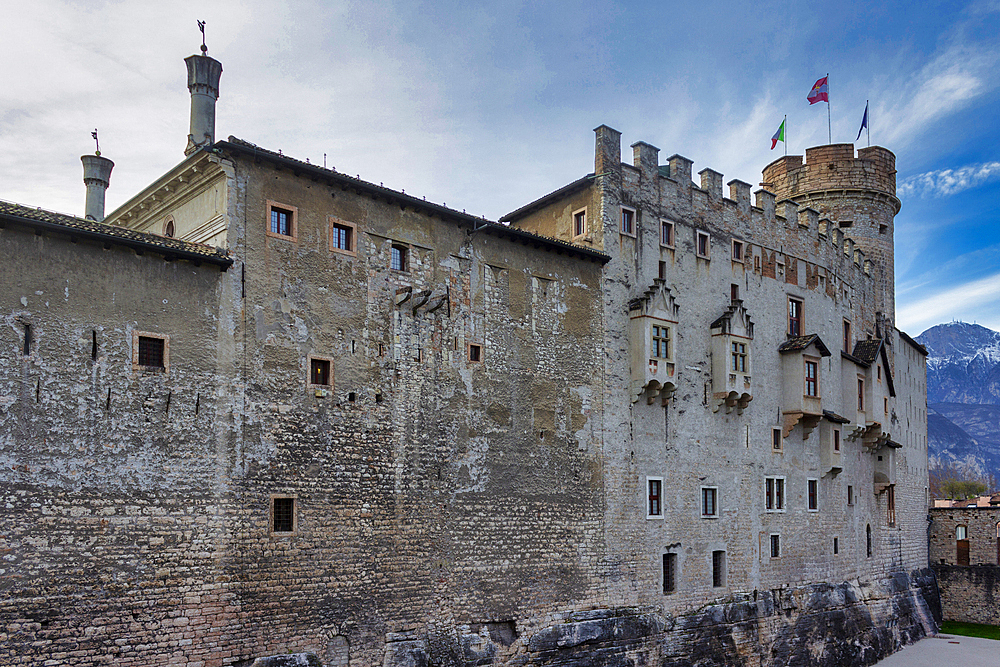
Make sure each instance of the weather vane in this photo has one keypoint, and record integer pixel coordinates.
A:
(201, 26)
(96, 140)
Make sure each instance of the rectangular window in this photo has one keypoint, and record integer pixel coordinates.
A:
(628, 221)
(703, 244)
(26, 350)
(661, 342)
(319, 372)
(890, 501)
(669, 573)
(666, 233)
(836, 440)
(836, 546)
(775, 546)
(794, 317)
(861, 395)
(847, 336)
(812, 377)
(580, 223)
(283, 514)
(150, 352)
(282, 221)
(475, 352)
(737, 251)
(718, 569)
(343, 237)
(776, 438)
(850, 494)
(663, 271)
(397, 258)
(812, 487)
(774, 494)
(734, 292)
(655, 488)
(885, 404)
(709, 501)
(738, 354)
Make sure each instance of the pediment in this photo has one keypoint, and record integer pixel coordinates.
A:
(735, 321)
(657, 301)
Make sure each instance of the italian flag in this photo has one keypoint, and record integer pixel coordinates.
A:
(779, 135)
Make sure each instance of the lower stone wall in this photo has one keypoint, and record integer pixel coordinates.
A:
(970, 593)
(845, 625)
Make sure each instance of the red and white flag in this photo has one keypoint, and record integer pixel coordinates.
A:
(820, 92)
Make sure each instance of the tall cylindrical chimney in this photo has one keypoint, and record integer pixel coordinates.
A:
(97, 177)
(203, 83)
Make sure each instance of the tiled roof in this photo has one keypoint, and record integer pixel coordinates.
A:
(555, 195)
(867, 350)
(834, 417)
(403, 199)
(72, 226)
(799, 343)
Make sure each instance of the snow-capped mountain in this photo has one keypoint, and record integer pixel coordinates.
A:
(963, 396)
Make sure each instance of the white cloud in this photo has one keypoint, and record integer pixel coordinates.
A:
(944, 182)
(975, 301)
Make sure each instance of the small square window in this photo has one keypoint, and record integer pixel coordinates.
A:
(775, 546)
(709, 502)
(718, 569)
(475, 352)
(580, 222)
(282, 221)
(737, 251)
(398, 259)
(343, 236)
(776, 439)
(667, 233)
(283, 519)
(628, 221)
(812, 487)
(150, 352)
(703, 244)
(319, 372)
(654, 507)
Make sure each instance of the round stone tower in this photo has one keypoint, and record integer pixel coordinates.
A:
(857, 194)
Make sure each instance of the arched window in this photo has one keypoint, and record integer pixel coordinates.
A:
(868, 530)
(168, 227)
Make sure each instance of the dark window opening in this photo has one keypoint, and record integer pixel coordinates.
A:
(737, 251)
(836, 440)
(475, 352)
(342, 237)
(861, 395)
(655, 508)
(351, 396)
(890, 498)
(397, 260)
(151, 352)
(628, 222)
(868, 533)
(283, 515)
(850, 494)
(663, 271)
(27, 340)
(281, 221)
(776, 546)
(703, 246)
(93, 345)
(812, 383)
(813, 491)
(794, 317)
(718, 569)
(836, 546)
(709, 502)
(378, 398)
(669, 573)
(667, 233)
(319, 371)
(168, 229)
(734, 292)
(847, 336)
(579, 223)
(776, 438)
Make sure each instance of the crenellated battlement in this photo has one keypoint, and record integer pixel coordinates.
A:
(833, 167)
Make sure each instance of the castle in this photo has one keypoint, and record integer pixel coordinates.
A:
(265, 407)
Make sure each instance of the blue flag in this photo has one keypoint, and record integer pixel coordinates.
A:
(864, 122)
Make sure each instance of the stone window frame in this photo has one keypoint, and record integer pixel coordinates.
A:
(573, 217)
(797, 318)
(714, 495)
(671, 572)
(738, 250)
(671, 228)
(812, 494)
(334, 222)
(294, 224)
(774, 545)
(700, 234)
(169, 228)
(138, 368)
(779, 440)
(772, 496)
(861, 393)
(847, 335)
(836, 545)
(739, 355)
(479, 353)
(309, 371)
(850, 495)
(836, 440)
(719, 567)
(649, 497)
(295, 514)
(405, 257)
(654, 347)
(632, 228)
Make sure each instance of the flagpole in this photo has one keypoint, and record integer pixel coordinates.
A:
(785, 124)
(868, 128)
(829, 121)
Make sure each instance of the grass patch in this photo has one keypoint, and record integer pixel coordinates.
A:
(971, 630)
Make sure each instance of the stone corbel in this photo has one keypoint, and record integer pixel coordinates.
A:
(732, 400)
(809, 423)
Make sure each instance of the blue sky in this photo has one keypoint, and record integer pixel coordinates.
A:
(487, 108)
